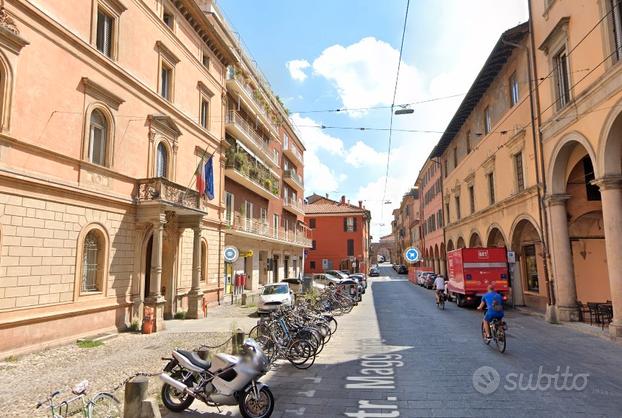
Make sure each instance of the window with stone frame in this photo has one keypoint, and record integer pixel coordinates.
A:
(491, 188)
(93, 262)
(614, 10)
(520, 175)
(457, 200)
(561, 78)
(99, 138)
(472, 199)
(487, 121)
(514, 92)
(105, 24)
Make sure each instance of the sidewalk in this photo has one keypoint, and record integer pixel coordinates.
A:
(220, 318)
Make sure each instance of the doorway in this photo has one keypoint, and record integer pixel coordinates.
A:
(286, 267)
(148, 252)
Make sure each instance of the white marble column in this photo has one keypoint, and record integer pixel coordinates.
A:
(563, 268)
(195, 296)
(611, 194)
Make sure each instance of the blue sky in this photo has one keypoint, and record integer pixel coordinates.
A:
(343, 53)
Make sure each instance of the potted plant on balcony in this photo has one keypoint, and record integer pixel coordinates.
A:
(241, 160)
(253, 172)
(267, 183)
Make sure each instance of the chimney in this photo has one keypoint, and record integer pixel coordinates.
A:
(343, 200)
(327, 195)
(360, 204)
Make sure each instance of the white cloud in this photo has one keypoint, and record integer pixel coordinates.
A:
(315, 138)
(364, 74)
(296, 69)
(361, 154)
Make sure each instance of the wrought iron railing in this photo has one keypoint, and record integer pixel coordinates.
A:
(235, 118)
(263, 229)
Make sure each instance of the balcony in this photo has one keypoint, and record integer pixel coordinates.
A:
(252, 178)
(252, 97)
(253, 228)
(293, 179)
(294, 206)
(290, 150)
(160, 190)
(250, 137)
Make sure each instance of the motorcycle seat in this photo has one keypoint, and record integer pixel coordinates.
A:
(195, 359)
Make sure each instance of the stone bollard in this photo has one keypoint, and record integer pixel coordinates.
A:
(237, 339)
(136, 402)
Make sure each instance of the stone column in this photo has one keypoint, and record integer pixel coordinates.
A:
(611, 194)
(443, 268)
(563, 274)
(195, 296)
(155, 298)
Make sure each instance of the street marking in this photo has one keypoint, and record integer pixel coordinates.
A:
(315, 379)
(308, 394)
(299, 411)
(392, 398)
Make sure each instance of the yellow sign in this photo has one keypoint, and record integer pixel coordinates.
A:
(247, 253)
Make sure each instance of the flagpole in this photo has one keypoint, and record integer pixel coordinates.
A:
(194, 175)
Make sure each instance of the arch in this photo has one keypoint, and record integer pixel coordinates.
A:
(560, 158)
(460, 243)
(162, 160)
(93, 112)
(92, 261)
(525, 217)
(450, 245)
(610, 143)
(436, 252)
(475, 240)
(527, 245)
(496, 238)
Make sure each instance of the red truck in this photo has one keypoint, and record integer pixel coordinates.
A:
(471, 270)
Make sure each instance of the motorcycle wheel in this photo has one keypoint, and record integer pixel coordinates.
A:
(175, 400)
(257, 408)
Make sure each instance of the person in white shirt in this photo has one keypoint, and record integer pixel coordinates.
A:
(439, 285)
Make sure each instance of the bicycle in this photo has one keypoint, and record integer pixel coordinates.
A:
(102, 405)
(497, 334)
(440, 301)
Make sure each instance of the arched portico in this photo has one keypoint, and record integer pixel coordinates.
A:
(496, 238)
(475, 240)
(460, 243)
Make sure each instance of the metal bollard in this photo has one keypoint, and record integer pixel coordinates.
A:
(237, 339)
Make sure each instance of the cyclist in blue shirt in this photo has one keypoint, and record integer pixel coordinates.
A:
(493, 302)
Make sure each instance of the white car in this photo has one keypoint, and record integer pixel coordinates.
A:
(273, 296)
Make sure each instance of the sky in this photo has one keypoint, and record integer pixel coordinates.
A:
(343, 54)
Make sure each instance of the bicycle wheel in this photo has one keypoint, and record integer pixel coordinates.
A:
(500, 338)
(104, 405)
(486, 340)
(442, 303)
(300, 354)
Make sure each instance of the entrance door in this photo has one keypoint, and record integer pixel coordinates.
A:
(275, 269)
(148, 268)
(286, 267)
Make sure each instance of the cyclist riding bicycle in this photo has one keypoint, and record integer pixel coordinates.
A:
(439, 285)
(493, 302)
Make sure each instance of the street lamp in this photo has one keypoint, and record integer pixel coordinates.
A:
(404, 111)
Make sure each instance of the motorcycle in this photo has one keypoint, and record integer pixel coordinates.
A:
(226, 380)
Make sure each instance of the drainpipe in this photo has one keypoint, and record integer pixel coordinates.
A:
(537, 145)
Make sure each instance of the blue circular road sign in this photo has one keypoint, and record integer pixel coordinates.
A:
(231, 254)
(412, 254)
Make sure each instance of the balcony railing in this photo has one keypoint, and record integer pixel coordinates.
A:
(260, 179)
(295, 203)
(288, 146)
(234, 118)
(264, 230)
(250, 91)
(291, 174)
(165, 191)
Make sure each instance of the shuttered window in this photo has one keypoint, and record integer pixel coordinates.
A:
(204, 113)
(518, 164)
(616, 26)
(350, 248)
(162, 161)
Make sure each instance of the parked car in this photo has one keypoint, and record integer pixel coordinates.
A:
(402, 269)
(273, 296)
(373, 272)
(353, 288)
(295, 284)
(429, 280)
(322, 280)
(337, 273)
(362, 280)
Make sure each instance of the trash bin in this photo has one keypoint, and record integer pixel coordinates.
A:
(148, 320)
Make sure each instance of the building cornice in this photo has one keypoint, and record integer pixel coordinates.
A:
(99, 92)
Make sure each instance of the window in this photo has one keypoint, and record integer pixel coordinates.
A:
(468, 141)
(487, 121)
(162, 161)
(275, 225)
(312, 223)
(275, 155)
(166, 79)
(168, 19)
(229, 208)
(204, 117)
(312, 265)
(91, 262)
(616, 17)
(248, 215)
(350, 248)
(447, 212)
(263, 216)
(562, 80)
(455, 157)
(205, 60)
(349, 224)
(491, 188)
(446, 171)
(531, 268)
(98, 138)
(518, 165)
(472, 199)
(203, 260)
(439, 218)
(313, 245)
(513, 90)
(457, 198)
(104, 34)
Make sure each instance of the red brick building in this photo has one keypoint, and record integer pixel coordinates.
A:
(340, 235)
